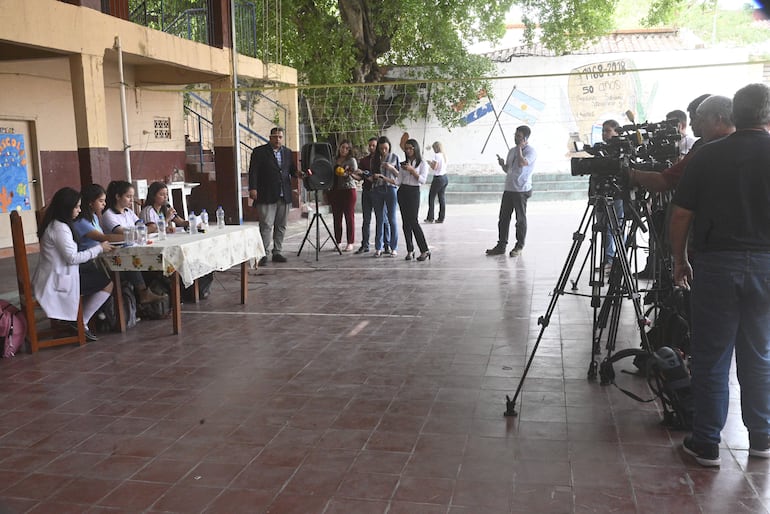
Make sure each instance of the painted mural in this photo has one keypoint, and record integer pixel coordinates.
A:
(14, 184)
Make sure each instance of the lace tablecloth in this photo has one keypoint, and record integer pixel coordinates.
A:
(192, 255)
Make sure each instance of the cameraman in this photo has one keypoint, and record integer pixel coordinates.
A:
(725, 195)
(711, 120)
(610, 130)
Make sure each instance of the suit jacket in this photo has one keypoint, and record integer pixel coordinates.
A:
(56, 281)
(268, 178)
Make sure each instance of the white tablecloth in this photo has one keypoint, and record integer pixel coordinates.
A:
(192, 255)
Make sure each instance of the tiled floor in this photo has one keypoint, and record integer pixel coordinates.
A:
(360, 385)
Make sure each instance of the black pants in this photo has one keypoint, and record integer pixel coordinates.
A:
(437, 188)
(513, 201)
(409, 203)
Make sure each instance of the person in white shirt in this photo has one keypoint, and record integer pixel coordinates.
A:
(518, 167)
(117, 218)
(414, 171)
(438, 184)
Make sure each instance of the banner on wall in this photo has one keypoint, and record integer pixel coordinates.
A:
(14, 182)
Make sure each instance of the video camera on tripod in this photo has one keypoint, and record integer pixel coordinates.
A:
(649, 146)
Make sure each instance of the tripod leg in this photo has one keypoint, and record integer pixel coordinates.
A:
(577, 240)
(331, 236)
(307, 233)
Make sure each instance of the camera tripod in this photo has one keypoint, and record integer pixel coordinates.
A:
(317, 216)
(620, 283)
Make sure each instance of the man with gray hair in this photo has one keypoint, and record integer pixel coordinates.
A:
(713, 120)
(725, 194)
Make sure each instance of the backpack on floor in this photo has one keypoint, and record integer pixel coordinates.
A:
(13, 329)
(106, 317)
(157, 310)
(668, 377)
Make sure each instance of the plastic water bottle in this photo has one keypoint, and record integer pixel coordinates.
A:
(204, 224)
(141, 233)
(161, 227)
(220, 217)
(129, 236)
(193, 223)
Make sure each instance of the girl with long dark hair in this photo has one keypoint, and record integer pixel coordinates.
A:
(414, 171)
(58, 282)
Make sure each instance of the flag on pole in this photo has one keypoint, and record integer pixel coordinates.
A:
(478, 113)
(524, 107)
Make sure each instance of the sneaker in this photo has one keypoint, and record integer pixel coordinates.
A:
(497, 250)
(362, 250)
(277, 257)
(759, 446)
(90, 335)
(439, 221)
(428, 220)
(262, 261)
(706, 454)
(515, 252)
(349, 247)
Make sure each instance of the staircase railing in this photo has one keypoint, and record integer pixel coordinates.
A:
(200, 129)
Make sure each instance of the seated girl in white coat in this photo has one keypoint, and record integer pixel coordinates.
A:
(57, 281)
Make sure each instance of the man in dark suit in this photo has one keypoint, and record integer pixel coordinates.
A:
(270, 172)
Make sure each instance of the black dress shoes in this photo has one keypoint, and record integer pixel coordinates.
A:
(497, 250)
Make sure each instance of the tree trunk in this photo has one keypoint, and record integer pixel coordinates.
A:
(357, 15)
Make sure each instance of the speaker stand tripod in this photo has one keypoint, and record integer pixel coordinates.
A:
(317, 216)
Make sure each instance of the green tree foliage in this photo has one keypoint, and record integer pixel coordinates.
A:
(565, 26)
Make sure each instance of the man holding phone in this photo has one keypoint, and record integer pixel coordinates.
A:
(518, 167)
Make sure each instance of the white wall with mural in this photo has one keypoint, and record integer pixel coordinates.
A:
(565, 99)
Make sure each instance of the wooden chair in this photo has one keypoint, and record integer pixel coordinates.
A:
(37, 338)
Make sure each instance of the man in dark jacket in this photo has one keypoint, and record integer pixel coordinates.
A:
(270, 172)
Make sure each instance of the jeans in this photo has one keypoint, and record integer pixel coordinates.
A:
(437, 188)
(366, 215)
(384, 201)
(513, 201)
(730, 310)
(409, 202)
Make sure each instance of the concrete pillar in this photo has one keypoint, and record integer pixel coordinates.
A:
(228, 183)
(88, 95)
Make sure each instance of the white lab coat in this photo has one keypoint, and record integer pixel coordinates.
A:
(56, 281)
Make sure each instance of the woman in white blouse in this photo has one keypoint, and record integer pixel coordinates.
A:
(57, 281)
(438, 184)
(414, 171)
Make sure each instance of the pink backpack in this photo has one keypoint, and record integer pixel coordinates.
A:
(13, 329)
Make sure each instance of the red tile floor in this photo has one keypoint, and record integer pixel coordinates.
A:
(360, 385)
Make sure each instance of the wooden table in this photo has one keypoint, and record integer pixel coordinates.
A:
(185, 257)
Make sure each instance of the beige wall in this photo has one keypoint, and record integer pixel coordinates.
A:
(157, 66)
